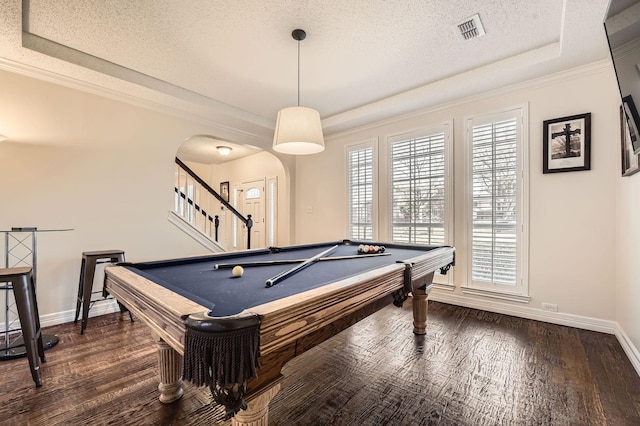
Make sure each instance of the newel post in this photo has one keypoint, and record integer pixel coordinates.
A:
(249, 226)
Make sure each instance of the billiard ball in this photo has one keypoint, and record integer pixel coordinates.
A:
(237, 271)
(370, 249)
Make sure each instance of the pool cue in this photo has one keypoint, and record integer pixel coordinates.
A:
(288, 261)
(286, 274)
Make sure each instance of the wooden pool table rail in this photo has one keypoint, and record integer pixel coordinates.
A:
(289, 326)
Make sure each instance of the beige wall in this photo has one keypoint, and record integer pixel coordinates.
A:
(572, 215)
(99, 166)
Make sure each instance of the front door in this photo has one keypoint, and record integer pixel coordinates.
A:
(253, 204)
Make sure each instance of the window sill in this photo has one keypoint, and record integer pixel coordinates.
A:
(444, 286)
(496, 295)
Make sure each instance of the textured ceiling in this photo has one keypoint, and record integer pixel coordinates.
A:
(235, 60)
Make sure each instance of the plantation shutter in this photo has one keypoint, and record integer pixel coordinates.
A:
(495, 202)
(418, 190)
(360, 189)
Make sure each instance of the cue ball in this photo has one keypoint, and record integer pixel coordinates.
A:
(237, 271)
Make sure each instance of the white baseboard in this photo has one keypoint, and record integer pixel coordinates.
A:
(629, 348)
(98, 308)
(577, 321)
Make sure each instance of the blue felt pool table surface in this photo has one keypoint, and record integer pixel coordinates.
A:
(197, 279)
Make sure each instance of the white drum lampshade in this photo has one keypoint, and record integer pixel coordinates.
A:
(298, 131)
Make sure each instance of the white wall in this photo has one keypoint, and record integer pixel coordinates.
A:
(572, 215)
(626, 267)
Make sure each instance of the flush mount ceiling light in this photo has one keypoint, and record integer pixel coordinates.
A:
(224, 150)
(298, 129)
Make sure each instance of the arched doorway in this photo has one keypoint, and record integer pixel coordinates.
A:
(248, 179)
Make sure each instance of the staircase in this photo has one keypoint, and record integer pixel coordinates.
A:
(195, 207)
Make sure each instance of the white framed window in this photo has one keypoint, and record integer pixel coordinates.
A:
(252, 193)
(235, 199)
(497, 187)
(272, 210)
(361, 166)
(421, 186)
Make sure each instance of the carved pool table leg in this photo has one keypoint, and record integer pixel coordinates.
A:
(257, 412)
(170, 367)
(420, 294)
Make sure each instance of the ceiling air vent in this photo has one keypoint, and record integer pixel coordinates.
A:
(471, 27)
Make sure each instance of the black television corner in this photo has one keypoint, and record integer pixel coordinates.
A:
(622, 27)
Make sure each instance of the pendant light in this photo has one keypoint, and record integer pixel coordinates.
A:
(298, 129)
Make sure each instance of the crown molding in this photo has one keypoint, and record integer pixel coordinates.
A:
(536, 83)
(249, 132)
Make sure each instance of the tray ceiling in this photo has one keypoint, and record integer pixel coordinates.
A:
(235, 61)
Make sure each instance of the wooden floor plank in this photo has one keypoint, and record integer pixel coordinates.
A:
(472, 368)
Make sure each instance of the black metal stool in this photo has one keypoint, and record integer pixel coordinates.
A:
(24, 291)
(85, 287)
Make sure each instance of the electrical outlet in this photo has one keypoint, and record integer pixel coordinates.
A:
(551, 307)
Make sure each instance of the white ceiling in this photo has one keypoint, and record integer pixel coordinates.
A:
(234, 61)
(204, 149)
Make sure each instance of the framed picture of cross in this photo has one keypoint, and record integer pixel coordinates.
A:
(224, 191)
(567, 144)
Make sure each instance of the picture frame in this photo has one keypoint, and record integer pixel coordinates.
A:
(224, 191)
(567, 144)
(630, 160)
(633, 121)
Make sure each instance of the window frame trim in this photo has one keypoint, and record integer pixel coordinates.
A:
(348, 148)
(445, 282)
(519, 292)
(272, 210)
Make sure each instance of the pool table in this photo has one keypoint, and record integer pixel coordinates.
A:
(195, 305)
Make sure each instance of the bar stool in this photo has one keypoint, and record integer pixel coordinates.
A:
(85, 287)
(24, 291)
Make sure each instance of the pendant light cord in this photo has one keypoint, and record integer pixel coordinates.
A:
(298, 72)
(298, 35)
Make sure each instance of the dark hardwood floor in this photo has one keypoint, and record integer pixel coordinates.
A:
(472, 368)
